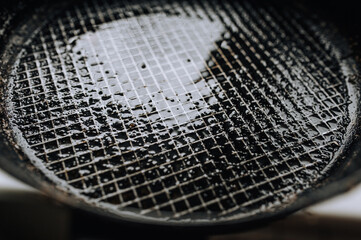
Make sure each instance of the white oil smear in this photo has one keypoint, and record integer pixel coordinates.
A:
(154, 59)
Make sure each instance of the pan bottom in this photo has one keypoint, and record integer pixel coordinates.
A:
(182, 110)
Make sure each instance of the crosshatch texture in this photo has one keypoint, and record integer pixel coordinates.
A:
(181, 108)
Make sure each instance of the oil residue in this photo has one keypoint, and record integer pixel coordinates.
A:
(176, 108)
(148, 66)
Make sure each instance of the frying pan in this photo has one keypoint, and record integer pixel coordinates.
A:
(197, 115)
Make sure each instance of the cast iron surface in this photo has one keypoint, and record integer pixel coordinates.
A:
(196, 112)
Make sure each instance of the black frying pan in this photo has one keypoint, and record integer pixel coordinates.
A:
(181, 114)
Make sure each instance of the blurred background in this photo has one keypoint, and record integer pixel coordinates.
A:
(25, 213)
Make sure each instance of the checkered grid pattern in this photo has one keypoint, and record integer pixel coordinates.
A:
(259, 121)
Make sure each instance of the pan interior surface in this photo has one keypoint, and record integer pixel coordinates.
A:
(182, 110)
